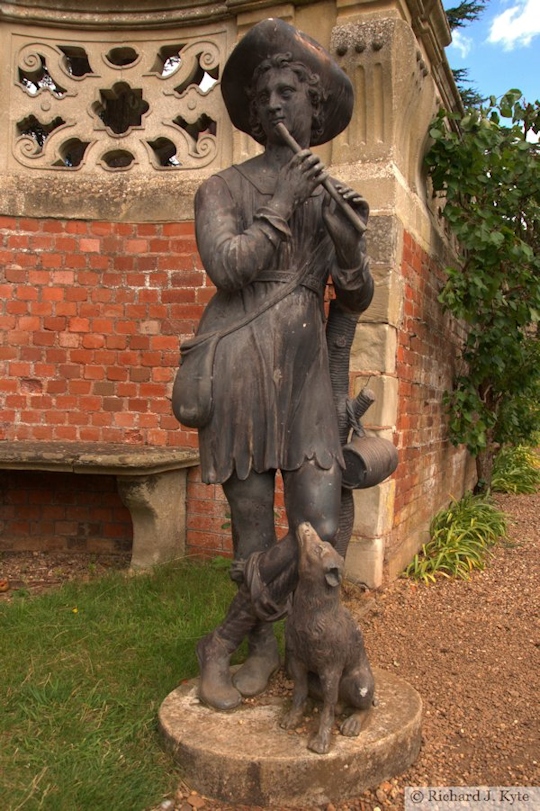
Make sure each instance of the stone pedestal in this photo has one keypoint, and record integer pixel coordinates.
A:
(157, 505)
(246, 758)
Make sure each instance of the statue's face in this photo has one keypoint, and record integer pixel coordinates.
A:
(280, 96)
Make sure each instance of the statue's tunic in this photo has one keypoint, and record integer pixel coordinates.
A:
(273, 398)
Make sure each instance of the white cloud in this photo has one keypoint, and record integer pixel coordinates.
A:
(462, 43)
(517, 25)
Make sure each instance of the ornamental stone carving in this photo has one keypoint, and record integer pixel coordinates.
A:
(95, 104)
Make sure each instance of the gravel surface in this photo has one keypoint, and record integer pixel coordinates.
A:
(471, 648)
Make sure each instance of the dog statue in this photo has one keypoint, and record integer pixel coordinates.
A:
(324, 646)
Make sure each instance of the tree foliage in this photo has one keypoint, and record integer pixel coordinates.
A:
(470, 96)
(487, 174)
(467, 11)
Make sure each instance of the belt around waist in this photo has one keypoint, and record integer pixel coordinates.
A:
(310, 281)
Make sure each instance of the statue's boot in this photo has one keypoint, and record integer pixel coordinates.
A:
(270, 578)
(262, 662)
(214, 651)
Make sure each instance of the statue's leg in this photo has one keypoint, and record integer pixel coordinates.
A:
(270, 578)
(262, 661)
(314, 494)
(251, 503)
(311, 494)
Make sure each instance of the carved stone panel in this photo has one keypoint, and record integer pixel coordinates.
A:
(90, 103)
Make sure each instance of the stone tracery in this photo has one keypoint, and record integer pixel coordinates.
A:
(151, 105)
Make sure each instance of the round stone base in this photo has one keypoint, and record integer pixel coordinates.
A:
(245, 757)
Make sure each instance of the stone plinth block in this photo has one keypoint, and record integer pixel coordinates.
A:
(383, 413)
(157, 505)
(374, 510)
(246, 758)
(374, 349)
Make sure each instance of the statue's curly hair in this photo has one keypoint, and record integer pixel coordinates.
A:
(305, 75)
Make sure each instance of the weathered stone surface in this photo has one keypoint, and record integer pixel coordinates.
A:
(246, 758)
(384, 238)
(382, 414)
(157, 505)
(133, 199)
(365, 560)
(387, 300)
(374, 348)
(374, 509)
(102, 458)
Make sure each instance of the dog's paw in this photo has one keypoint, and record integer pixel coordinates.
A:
(319, 743)
(352, 726)
(291, 720)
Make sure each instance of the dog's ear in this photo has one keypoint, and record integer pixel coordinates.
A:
(333, 575)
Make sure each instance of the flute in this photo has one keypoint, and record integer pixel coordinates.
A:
(353, 217)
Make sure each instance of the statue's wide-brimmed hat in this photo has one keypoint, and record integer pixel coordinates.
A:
(274, 36)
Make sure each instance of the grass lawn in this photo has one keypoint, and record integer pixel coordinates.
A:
(84, 671)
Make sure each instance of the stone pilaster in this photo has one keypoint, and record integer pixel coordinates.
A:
(395, 59)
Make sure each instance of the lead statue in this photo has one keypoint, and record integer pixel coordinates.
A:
(271, 238)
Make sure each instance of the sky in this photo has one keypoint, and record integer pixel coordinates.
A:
(501, 50)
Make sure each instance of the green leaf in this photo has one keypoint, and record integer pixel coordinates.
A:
(460, 537)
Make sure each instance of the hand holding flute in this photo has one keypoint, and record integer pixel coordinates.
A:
(332, 190)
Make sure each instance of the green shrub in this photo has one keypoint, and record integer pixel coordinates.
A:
(516, 470)
(460, 539)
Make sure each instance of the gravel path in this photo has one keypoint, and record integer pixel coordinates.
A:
(471, 648)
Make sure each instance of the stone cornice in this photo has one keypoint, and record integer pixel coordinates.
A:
(111, 15)
(107, 14)
(430, 25)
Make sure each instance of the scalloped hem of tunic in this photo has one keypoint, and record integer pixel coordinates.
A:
(211, 477)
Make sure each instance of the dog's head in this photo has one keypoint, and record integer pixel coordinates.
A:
(318, 559)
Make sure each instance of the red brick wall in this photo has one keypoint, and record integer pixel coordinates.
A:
(46, 511)
(431, 470)
(91, 315)
(90, 319)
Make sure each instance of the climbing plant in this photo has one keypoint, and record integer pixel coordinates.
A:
(485, 169)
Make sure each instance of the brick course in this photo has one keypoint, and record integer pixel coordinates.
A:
(69, 328)
(46, 511)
